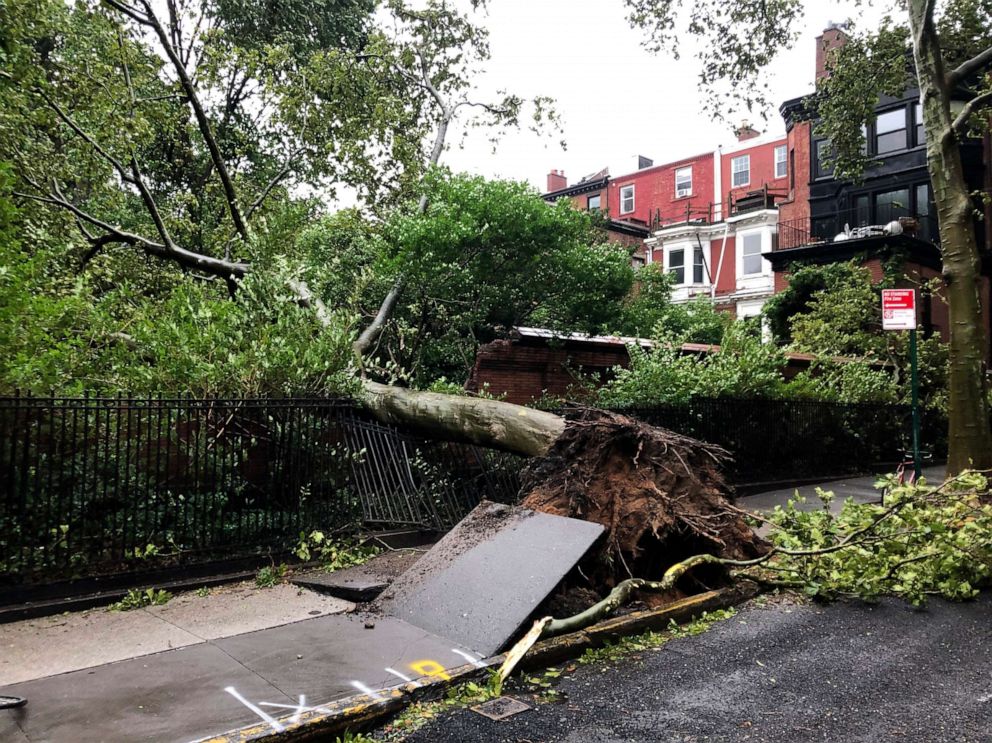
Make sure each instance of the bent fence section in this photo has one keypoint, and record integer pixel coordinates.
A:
(96, 486)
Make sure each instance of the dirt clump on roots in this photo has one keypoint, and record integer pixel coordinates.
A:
(661, 497)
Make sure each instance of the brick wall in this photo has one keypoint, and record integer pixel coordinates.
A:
(796, 207)
(581, 201)
(524, 372)
(762, 162)
(654, 190)
(726, 275)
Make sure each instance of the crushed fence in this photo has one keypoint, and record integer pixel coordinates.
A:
(95, 486)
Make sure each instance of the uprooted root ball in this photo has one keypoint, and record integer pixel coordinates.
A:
(661, 496)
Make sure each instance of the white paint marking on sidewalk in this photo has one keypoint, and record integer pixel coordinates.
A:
(366, 690)
(401, 676)
(276, 725)
(299, 709)
(474, 661)
(986, 698)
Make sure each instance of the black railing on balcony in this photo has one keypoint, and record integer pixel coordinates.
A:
(855, 224)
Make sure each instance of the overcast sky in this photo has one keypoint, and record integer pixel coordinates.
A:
(617, 100)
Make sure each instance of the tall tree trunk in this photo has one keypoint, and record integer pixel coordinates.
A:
(491, 423)
(969, 434)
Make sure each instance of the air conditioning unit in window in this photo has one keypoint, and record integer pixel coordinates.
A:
(680, 192)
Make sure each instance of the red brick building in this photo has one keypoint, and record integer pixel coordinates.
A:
(716, 250)
(593, 193)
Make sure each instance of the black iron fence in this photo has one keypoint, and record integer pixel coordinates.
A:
(109, 485)
(96, 486)
(793, 440)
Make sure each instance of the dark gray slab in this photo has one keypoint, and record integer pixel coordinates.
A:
(481, 582)
(9, 730)
(203, 690)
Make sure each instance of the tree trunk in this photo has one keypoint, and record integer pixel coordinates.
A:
(490, 423)
(969, 435)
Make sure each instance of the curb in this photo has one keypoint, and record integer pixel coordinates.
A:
(361, 712)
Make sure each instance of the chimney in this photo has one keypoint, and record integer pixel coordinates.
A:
(556, 181)
(832, 37)
(745, 132)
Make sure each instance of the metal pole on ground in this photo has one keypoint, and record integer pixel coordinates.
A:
(915, 384)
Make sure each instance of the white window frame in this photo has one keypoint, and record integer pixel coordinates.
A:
(623, 198)
(699, 252)
(684, 190)
(680, 248)
(746, 159)
(781, 161)
(744, 256)
(764, 280)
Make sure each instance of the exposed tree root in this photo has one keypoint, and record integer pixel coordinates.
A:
(661, 496)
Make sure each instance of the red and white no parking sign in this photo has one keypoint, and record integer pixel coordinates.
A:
(898, 309)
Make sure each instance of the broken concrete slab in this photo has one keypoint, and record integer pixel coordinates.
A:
(482, 581)
(362, 582)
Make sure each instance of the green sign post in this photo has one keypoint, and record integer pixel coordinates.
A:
(899, 313)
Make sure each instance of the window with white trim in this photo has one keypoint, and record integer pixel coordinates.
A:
(626, 199)
(676, 265)
(683, 182)
(698, 267)
(740, 171)
(751, 254)
(781, 161)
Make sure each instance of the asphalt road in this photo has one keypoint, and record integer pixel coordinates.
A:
(846, 672)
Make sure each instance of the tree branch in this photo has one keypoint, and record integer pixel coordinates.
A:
(276, 180)
(968, 68)
(199, 114)
(960, 123)
(70, 122)
(127, 10)
(185, 258)
(371, 333)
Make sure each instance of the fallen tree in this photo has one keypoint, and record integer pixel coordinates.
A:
(659, 495)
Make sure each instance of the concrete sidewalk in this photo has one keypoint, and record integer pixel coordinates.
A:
(35, 648)
(202, 665)
(861, 489)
